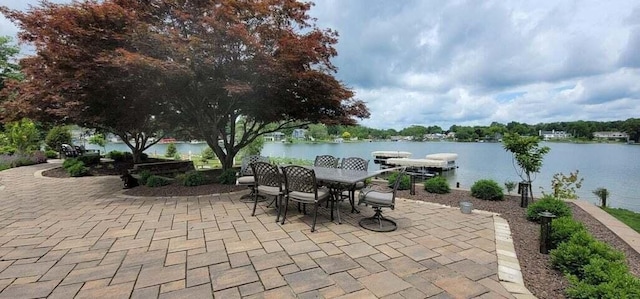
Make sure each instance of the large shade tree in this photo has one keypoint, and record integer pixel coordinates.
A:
(97, 65)
(262, 61)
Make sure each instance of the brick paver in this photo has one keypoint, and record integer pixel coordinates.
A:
(80, 237)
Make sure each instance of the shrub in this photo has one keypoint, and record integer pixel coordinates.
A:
(78, 169)
(228, 177)
(563, 228)
(51, 154)
(157, 181)
(487, 190)
(144, 176)
(7, 150)
(405, 181)
(510, 186)
(193, 178)
(208, 154)
(564, 187)
(57, 136)
(23, 135)
(171, 150)
(604, 279)
(571, 256)
(437, 185)
(90, 159)
(548, 203)
(69, 162)
(177, 156)
(115, 156)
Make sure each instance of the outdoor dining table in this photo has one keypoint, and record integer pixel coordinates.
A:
(338, 179)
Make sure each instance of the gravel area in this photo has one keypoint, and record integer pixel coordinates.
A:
(540, 278)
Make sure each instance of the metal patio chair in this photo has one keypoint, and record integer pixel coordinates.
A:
(268, 181)
(379, 200)
(301, 186)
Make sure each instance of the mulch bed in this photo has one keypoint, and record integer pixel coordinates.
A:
(540, 278)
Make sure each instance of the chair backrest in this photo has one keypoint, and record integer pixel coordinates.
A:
(401, 173)
(301, 179)
(266, 174)
(327, 161)
(355, 163)
(245, 168)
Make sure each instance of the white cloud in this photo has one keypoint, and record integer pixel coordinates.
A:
(472, 62)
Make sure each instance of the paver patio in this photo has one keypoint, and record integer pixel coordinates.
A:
(80, 237)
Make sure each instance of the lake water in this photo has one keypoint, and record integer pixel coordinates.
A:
(612, 166)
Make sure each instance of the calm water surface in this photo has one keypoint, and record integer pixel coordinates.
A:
(612, 166)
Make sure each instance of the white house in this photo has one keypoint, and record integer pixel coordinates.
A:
(611, 135)
(547, 135)
(299, 133)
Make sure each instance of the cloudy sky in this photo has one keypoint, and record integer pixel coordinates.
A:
(473, 62)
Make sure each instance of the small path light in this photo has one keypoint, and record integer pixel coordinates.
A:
(545, 231)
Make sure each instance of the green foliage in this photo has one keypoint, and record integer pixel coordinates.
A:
(172, 150)
(23, 135)
(99, 140)
(76, 168)
(51, 154)
(563, 228)
(289, 161)
(89, 159)
(228, 177)
(564, 187)
(69, 162)
(7, 150)
(602, 194)
(177, 156)
(487, 190)
(157, 181)
(144, 176)
(253, 148)
(208, 154)
(57, 136)
(405, 181)
(571, 256)
(8, 69)
(117, 156)
(526, 152)
(548, 203)
(604, 279)
(437, 185)
(192, 178)
(510, 186)
(346, 135)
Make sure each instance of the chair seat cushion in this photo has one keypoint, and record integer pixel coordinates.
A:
(323, 193)
(245, 180)
(268, 190)
(375, 198)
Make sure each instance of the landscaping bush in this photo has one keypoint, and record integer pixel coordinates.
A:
(7, 150)
(144, 176)
(548, 203)
(193, 178)
(228, 177)
(115, 156)
(69, 162)
(89, 159)
(157, 181)
(570, 257)
(208, 154)
(77, 169)
(57, 136)
(487, 190)
(405, 181)
(437, 185)
(143, 157)
(563, 228)
(604, 279)
(51, 154)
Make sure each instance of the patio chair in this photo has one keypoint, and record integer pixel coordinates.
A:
(354, 163)
(245, 176)
(326, 161)
(379, 200)
(268, 181)
(301, 186)
(68, 151)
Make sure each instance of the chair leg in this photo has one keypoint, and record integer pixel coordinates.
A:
(315, 216)
(255, 203)
(338, 212)
(286, 206)
(278, 206)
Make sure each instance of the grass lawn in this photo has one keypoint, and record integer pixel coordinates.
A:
(629, 218)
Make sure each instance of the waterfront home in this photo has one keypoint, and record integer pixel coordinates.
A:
(548, 135)
(299, 134)
(611, 135)
(275, 136)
